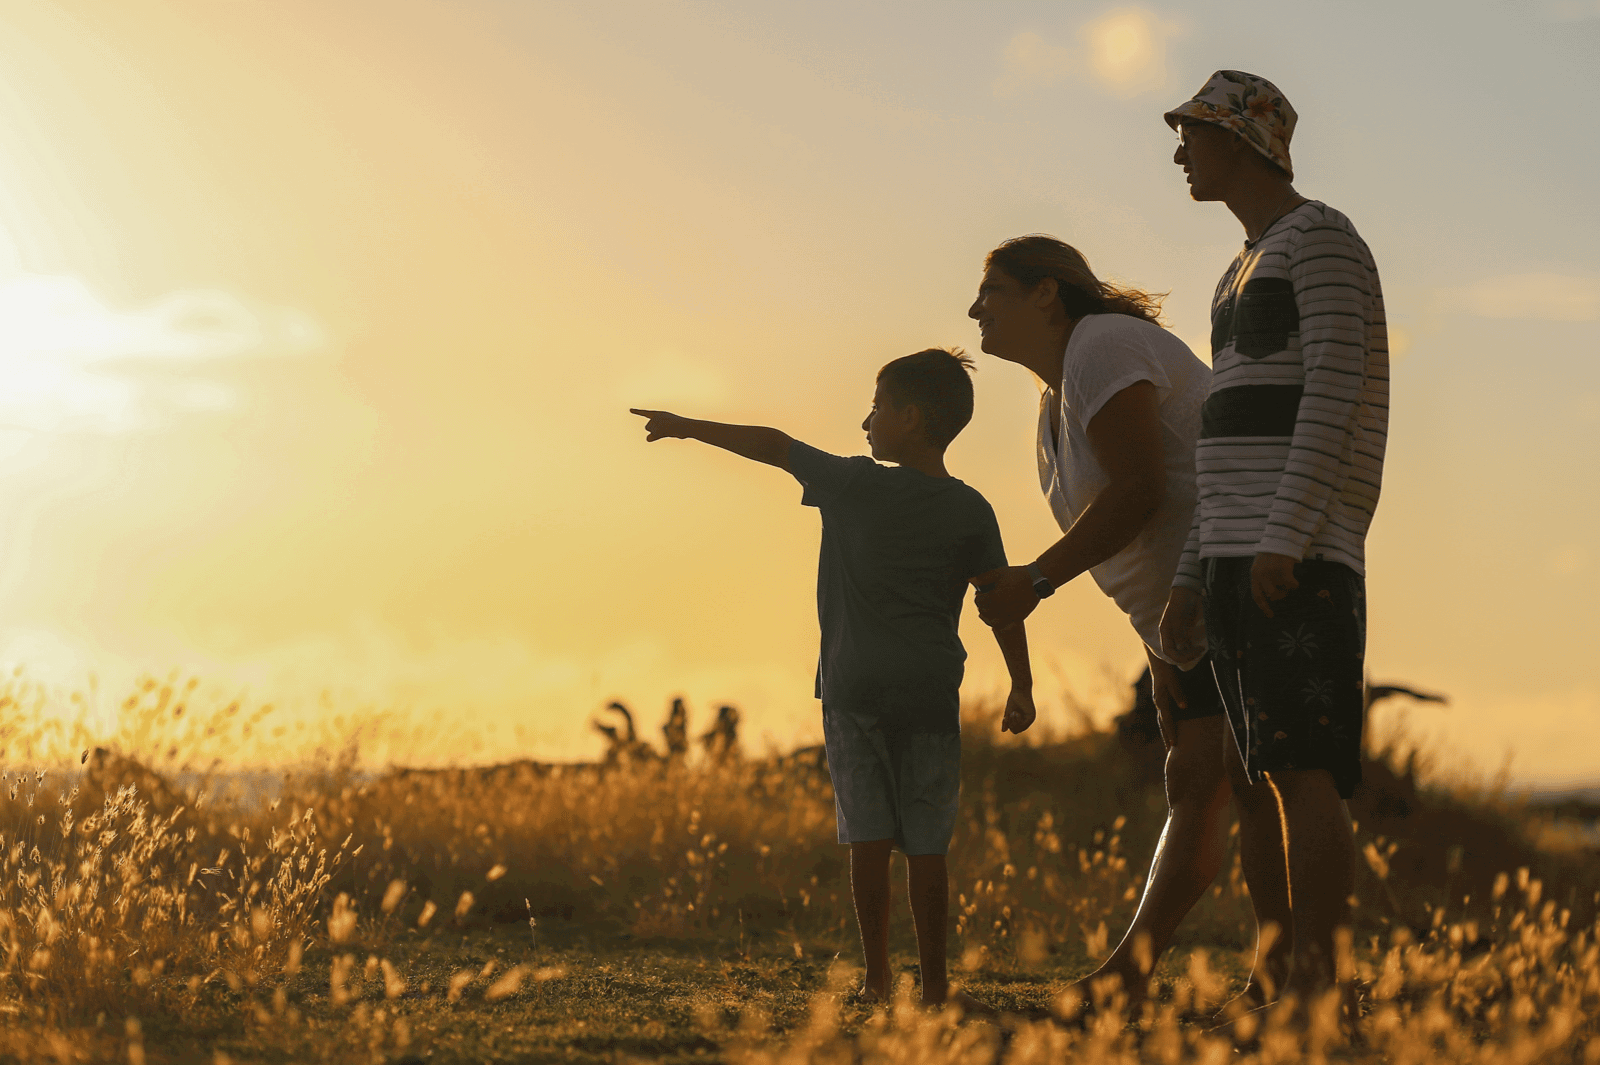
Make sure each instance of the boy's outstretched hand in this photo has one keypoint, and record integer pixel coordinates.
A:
(1019, 713)
(750, 441)
(662, 425)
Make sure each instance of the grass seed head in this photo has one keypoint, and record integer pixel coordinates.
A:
(392, 896)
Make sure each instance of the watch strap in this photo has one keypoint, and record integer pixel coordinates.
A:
(1043, 587)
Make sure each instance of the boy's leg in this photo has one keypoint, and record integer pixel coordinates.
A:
(930, 910)
(869, 888)
(863, 795)
(929, 780)
(1188, 857)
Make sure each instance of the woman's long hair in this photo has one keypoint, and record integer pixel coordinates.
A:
(1035, 257)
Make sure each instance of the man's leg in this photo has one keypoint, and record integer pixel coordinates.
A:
(930, 911)
(1322, 857)
(1266, 874)
(1303, 684)
(1188, 857)
(869, 888)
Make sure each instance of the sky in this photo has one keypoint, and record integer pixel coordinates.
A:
(319, 323)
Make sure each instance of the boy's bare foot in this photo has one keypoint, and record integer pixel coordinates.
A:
(865, 996)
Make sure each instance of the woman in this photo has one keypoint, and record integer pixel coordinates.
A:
(1117, 429)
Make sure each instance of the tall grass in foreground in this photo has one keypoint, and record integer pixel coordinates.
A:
(124, 893)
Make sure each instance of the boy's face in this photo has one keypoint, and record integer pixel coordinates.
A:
(890, 427)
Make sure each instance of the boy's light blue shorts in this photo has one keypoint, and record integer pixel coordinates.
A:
(904, 786)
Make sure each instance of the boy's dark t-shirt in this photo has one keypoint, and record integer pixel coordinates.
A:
(898, 548)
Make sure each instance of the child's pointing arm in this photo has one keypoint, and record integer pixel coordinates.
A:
(751, 441)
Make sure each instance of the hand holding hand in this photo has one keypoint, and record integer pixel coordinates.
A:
(1020, 712)
(1271, 578)
(1005, 596)
(1180, 625)
(662, 425)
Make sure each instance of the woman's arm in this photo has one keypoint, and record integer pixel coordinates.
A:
(1125, 436)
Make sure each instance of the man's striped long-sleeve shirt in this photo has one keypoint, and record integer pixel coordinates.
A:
(1290, 455)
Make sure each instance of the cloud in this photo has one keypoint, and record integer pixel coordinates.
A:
(1124, 51)
(1033, 62)
(70, 362)
(1548, 297)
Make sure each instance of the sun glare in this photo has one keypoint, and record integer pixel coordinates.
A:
(73, 363)
(1127, 50)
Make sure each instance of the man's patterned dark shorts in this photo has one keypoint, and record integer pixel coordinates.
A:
(1293, 684)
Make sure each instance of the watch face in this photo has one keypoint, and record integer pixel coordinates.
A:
(1043, 588)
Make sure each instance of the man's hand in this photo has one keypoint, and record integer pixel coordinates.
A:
(1020, 711)
(1271, 578)
(1168, 693)
(662, 425)
(1005, 596)
(1180, 625)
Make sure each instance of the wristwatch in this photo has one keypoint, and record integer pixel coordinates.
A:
(1041, 584)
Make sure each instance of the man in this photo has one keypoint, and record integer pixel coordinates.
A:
(1288, 464)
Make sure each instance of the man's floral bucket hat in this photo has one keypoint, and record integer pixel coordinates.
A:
(1250, 106)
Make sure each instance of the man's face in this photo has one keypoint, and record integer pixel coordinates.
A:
(1209, 156)
(888, 426)
(1003, 311)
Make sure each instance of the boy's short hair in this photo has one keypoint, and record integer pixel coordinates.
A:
(938, 382)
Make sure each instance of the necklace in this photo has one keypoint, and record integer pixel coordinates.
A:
(1281, 211)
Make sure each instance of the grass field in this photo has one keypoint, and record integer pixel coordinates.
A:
(696, 909)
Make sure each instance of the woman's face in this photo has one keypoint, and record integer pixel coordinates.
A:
(1007, 314)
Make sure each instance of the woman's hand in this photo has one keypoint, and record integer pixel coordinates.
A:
(1005, 596)
(1168, 694)
(1181, 626)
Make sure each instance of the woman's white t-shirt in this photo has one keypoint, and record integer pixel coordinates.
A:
(1105, 354)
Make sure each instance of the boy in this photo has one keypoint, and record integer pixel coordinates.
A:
(899, 544)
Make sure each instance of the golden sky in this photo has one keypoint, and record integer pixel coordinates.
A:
(319, 322)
